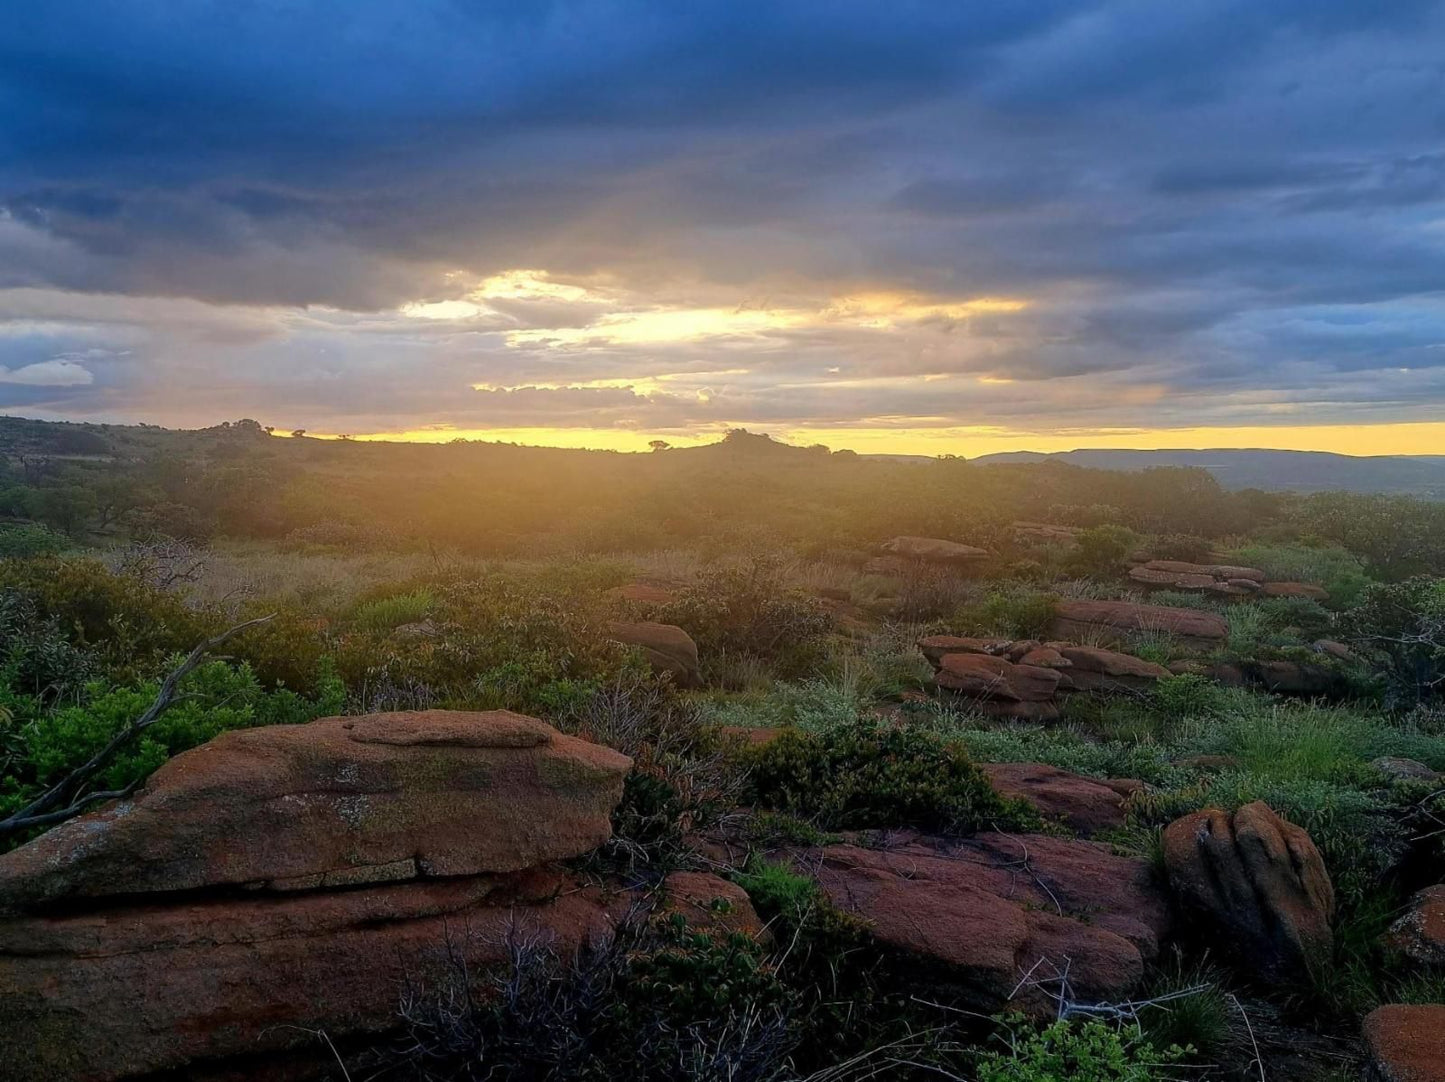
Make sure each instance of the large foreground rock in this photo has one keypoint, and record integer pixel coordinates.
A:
(145, 988)
(984, 914)
(282, 881)
(1406, 1043)
(667, 647)
(335, 802)
(1115, 621)
(1258, 886)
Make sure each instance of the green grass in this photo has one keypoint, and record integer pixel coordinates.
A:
(386, 613)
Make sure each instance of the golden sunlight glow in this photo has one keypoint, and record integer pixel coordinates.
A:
(1423, 438)
(624, 320)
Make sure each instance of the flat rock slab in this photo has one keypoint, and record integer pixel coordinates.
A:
(335, 802)
(985, 913)
(1406, 1043)
(932, 550)
(1117, 620)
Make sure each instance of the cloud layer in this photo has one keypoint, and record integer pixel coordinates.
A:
(662, 219)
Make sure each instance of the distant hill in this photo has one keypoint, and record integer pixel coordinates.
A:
(1296, 471)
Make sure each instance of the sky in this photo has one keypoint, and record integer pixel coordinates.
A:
(906, 227)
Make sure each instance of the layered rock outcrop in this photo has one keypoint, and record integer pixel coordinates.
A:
(1259, 883)
(1025, 678)
(1224, 580)
(217, 913)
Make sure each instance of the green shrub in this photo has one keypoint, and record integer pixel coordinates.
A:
(1401, 628)
(746, 607)
(214, 698)
(870, 774)
(1102, 550)
(1188, 696)
(1014, 611)
(1336, 569)
(1066, 1051)
(1181, 546)
(31, 539)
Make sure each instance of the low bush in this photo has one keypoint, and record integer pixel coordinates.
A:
(870, 774)
(747, 607)
(1102, 550)
(28, 539)
(1066, 1051)
(1401, 628)
(654, 1002)
(1016, 612)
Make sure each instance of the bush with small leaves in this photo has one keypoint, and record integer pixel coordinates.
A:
(1067, 1051)
(871, 774)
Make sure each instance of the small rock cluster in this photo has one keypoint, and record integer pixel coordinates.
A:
(1024, 678)
(1224, 580)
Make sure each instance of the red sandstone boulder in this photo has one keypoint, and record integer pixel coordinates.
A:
(1406, 1043)
(983, 914)
(152, 987)
(335, 802)
(668, 649)
(1086, 805)
(1261, 884)
(1117, 620)
(932, 550)
(1420, 933)
(1000, 686)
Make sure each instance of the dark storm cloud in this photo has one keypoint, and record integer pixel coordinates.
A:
(1243, 200)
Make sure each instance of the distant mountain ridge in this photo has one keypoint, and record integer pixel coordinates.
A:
(1236, 468)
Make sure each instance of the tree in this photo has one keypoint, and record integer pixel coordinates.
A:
(659, 445)
(297, 433)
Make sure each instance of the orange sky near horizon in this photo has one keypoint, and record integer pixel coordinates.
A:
(1414, 438)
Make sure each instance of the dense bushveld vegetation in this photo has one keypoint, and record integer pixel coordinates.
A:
(475, 577)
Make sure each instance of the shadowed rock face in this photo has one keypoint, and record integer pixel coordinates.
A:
(984, 914)
(336, 802)
(1259, 883)
(217, 913)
